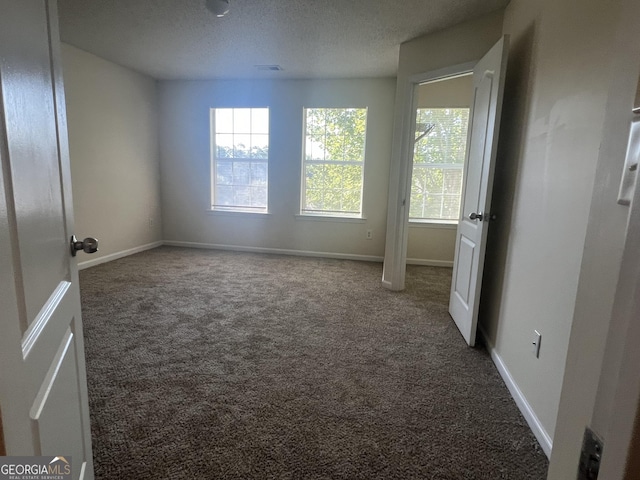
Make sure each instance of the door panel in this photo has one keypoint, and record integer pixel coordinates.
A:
(57, 404)
(463, 278)
(477, 142)
(27, 92)
(488, 84)
(43, 388)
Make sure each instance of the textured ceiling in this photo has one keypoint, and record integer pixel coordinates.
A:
(181, 39)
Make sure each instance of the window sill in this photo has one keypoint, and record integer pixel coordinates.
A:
(444, 224)
(327, 218)
(235, 213)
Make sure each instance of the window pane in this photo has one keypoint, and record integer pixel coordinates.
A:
(354, 149)
(313, 199)
(314, 177)
(224, 120)
(241, 146)
(242, 120)
(352, 177)
(334, 147)
(334, 142)
(351, 200)
(332, 200)
(433, 206)
(240, 134)
(241, 173)
(260, 120)
(314, 149)
(258, 173)
(441, 135)
(332, 176)
(260, 146)
(453, 181)
(434, 180)
(451, 207)
(258, 196)
(224, 195)
(224, 173)
(242, 196)
(224, 145)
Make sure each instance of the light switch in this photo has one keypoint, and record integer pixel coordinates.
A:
(537, 338)
(630, 172)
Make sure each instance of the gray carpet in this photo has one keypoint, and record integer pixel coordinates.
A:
(212, 364)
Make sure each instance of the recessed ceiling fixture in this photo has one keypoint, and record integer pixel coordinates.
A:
(219, 7)
(270, 68)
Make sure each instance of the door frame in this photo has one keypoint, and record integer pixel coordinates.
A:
(395, 255)
(621, 450)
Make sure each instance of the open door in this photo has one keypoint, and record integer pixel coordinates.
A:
(488, 87)
(43, 390)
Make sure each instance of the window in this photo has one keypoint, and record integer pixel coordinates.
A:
(239, 159)
(333, 161)
(438, 161)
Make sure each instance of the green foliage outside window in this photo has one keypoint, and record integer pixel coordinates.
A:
(333, 160)
(240, 163)
(438, 162)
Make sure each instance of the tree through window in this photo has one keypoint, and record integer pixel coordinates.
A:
(438, 162)
(333, 161)
(240, 159)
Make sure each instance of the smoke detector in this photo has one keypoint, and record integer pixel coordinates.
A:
(219, 7)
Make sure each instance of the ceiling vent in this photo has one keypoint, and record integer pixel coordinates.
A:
(269, 68)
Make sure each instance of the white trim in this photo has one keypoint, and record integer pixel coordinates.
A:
(446, 73)
(114, 256)
(427, 224)
(430, 263)
(330, 218)
(37, 326)
(404, 123)
(387, 285)
(238, 212)
(278, 251)
(527, 411)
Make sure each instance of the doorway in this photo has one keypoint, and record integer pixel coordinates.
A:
(441, 118)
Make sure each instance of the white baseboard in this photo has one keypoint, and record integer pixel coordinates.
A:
(527, 412)
(387, 284)
(114, 256)
(279, 251)
(237, 248)
(430, 263)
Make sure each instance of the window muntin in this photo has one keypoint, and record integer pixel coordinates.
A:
(333, 161)
(438, 162)
(239, 159)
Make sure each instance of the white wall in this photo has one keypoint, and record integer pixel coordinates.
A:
(185, 158)
(552, 121)
(454, 92)
(596, 333)
(113, 142)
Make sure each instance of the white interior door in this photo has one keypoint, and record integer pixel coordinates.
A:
(43, 391)
(488, 86)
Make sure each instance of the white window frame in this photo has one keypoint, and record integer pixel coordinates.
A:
(214, 161)
(304, 212)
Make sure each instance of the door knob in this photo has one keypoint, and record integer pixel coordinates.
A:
(88, 245)
(475, 216)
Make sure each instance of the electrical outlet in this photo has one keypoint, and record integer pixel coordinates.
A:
(369, 234)
(150, 222)
(537, 339)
